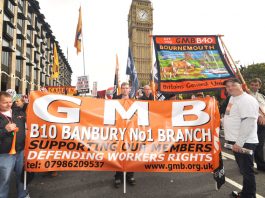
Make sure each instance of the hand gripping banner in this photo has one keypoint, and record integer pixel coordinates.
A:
(190, 63)
(80, 133)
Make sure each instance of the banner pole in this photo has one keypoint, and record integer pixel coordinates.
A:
(226, 56)
(152, 66)
(83, 45)
(83, 54)
(124, 182)
(216, 186)
(237, 70)
(25, 180)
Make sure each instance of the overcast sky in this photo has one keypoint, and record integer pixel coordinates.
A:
(106, 34)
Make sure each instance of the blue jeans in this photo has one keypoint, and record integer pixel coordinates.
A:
(246, 167)
(8, 163)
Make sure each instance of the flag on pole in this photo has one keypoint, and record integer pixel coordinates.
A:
(154, 79)
(55, 67)
(131, 71)
(116, 78)
(155, 73)
(78, 34)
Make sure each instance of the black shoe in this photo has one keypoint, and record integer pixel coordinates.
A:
(117, 183)
(131, 181)
(235, 194)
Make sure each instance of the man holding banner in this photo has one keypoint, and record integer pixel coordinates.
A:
(240, 127)
(125, 94)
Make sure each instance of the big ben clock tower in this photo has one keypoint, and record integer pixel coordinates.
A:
(140, 26)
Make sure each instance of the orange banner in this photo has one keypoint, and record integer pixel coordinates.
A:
(77, 133)
(66, 90)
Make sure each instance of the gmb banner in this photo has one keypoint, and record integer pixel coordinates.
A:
(80, 133)
(190, 63)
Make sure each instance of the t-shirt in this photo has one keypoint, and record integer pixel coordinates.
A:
(238, 109)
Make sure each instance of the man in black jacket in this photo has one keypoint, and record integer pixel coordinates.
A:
(11, 121)
(125, 94)
(147, 94)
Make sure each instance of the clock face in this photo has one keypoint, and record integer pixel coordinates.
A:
(142, 15)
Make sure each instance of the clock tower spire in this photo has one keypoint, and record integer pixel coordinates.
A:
(140, 27)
